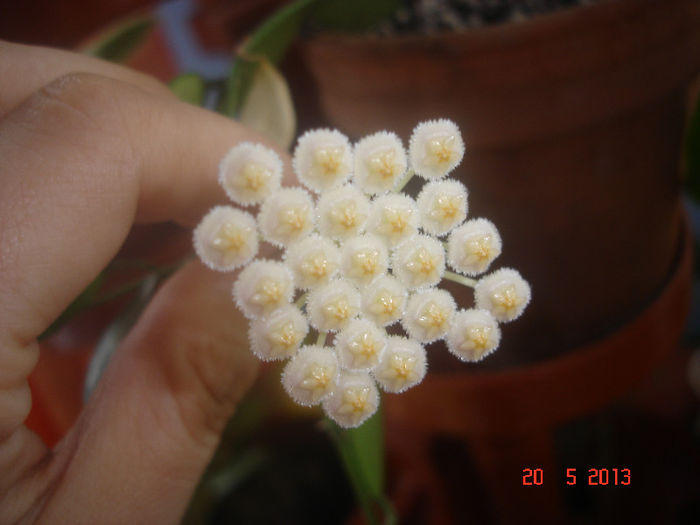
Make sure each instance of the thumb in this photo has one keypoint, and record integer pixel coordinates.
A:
(155, 418)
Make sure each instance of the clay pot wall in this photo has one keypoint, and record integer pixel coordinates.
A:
(573, 124)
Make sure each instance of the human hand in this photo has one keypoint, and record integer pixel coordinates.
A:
(89, 149)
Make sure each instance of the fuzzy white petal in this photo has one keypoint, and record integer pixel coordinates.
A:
(360, 345)
(279, 335)
(354, 399)
(429, 315)
(331, 306)
(402, 366)
(249, 173)
(364, 258)
(287, 216)
(384, 301)
(474, 334)
(226, 238)
(262, 287)
(442, 205)
(394, 218)
(419, 262)
(310, 375)
(472, 247)
(504, 293)
(435, 148)
(314, 260)
(343, 212)
(380, 161)
(322, 159)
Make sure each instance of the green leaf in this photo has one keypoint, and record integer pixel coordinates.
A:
(368, 442)
(361, 451)
(117, 331)
(268, 108)
(270, 40)
(353, 17)
(189, 87)
(692, 155)
(80, 303)
(120, 41)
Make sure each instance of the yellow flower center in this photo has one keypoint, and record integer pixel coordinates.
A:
(397, 219)
(364, 346)
(480, 247)
(330, 159)
(339, 309)
(383, 164)
(367, 261)
(441, 150)
(231, 239)
(507, 298)
(269, 292)
(433, 316)
(446, 206)
(402, 366)
(385, 303)
(318, 380)
(284, 338)
(477, 338)
(255, 176)
(346, 215)
(293, 219)
(355, 401)
(422, 262)
(316, 266)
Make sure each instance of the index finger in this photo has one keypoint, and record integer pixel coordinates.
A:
(32, 67)
(82, 160)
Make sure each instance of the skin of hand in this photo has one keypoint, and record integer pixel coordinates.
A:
(88, 150)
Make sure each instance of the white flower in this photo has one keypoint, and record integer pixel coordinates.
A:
(364, 258)
(342, 212)
(360, 345)
(384, 301)
(353, 400)
(504, 293)
(331, 306)
(472, 247)
(380, 160)
(474, 334)
(249, 173)
(278, 335)
(323, 159)
(435, 148)
(419, 262)
(442, 205)
(428, 315)
(310, 375)
(226, 238)
(314, 261)
(286, 216)
(262, 287)
(394, 218)
(402, 366)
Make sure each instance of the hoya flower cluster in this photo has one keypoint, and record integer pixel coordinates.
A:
(359, 256)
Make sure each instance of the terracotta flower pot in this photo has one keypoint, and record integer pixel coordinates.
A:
(573, 125)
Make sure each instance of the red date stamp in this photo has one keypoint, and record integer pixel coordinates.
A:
(594, 476)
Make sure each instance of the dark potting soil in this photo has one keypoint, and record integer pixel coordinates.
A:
(432, 16)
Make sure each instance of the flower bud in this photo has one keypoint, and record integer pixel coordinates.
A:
(311, 375)
(226, 238)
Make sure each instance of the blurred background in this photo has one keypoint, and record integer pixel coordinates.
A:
(583, 147)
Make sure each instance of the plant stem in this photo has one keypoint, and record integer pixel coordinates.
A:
(299, 303)
(460, 279)
(321, 340)
(405, 180)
